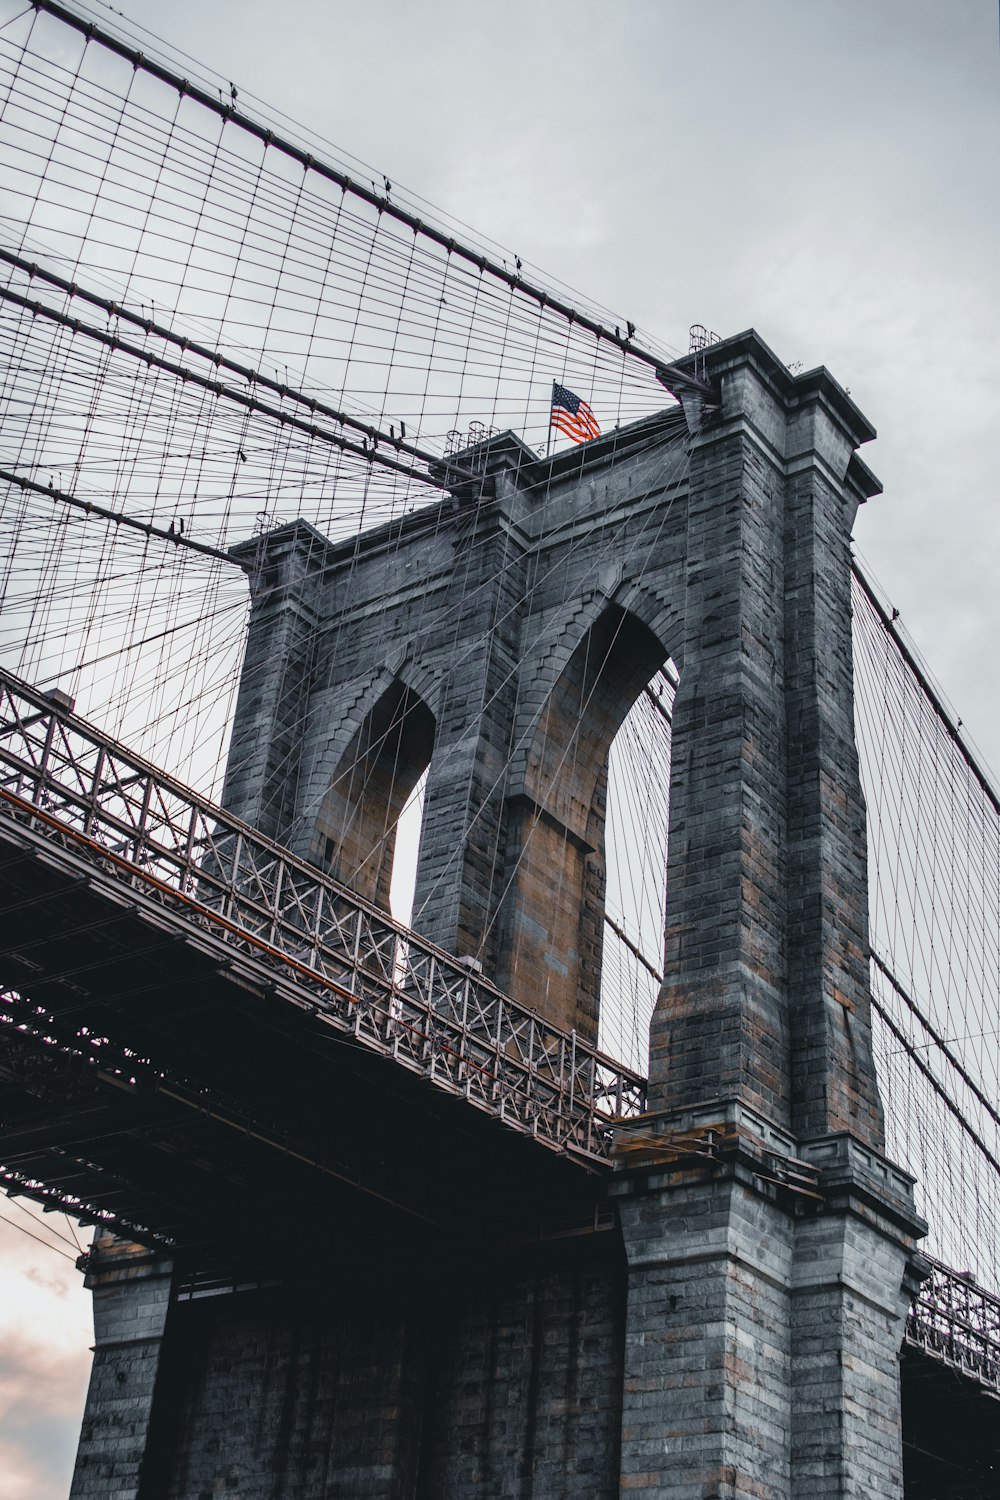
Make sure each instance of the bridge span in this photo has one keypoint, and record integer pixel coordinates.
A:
(265, 1110)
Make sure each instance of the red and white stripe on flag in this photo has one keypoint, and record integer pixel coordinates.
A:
(571, 415)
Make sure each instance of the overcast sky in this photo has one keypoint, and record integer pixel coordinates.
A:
(825, 172)
(822, 170)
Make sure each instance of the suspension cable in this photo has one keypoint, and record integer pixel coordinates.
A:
(372, 434)
(381, 202)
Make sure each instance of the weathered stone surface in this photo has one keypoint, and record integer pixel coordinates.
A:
(498, 1385)
(766, 1299)
(502, 641)
(766, 981)
(117, 1453)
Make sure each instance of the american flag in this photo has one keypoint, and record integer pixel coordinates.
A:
(572, 415)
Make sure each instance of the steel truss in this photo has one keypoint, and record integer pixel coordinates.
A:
(958, 1323)
(361, 972)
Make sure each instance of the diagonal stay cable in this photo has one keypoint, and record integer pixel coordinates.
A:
(953, 729)
(938, 1087)
(253, 377)
(369, 455)
(938, 1040)
(382, 203)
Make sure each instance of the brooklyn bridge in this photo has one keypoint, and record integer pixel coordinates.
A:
(500, 940)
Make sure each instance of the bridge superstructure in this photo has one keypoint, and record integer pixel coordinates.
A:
(169, 864)
(220, 1048)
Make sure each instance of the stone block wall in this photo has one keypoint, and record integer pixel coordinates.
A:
(707, 1378)
(117, 1453)
(516, 627)
(505, 1384)
(766, 1299)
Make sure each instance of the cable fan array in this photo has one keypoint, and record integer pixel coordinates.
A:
(207, 328)
(934, 863)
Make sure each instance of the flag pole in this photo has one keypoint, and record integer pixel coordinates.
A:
(548, 438)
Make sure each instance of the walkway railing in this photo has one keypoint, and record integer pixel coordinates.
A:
(367, 975)
(958, 1323)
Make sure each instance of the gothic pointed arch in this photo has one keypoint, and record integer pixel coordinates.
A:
(354, 835)
(662, 618)
(553, 915)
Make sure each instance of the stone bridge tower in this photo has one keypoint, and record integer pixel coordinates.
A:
(738, 1334)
